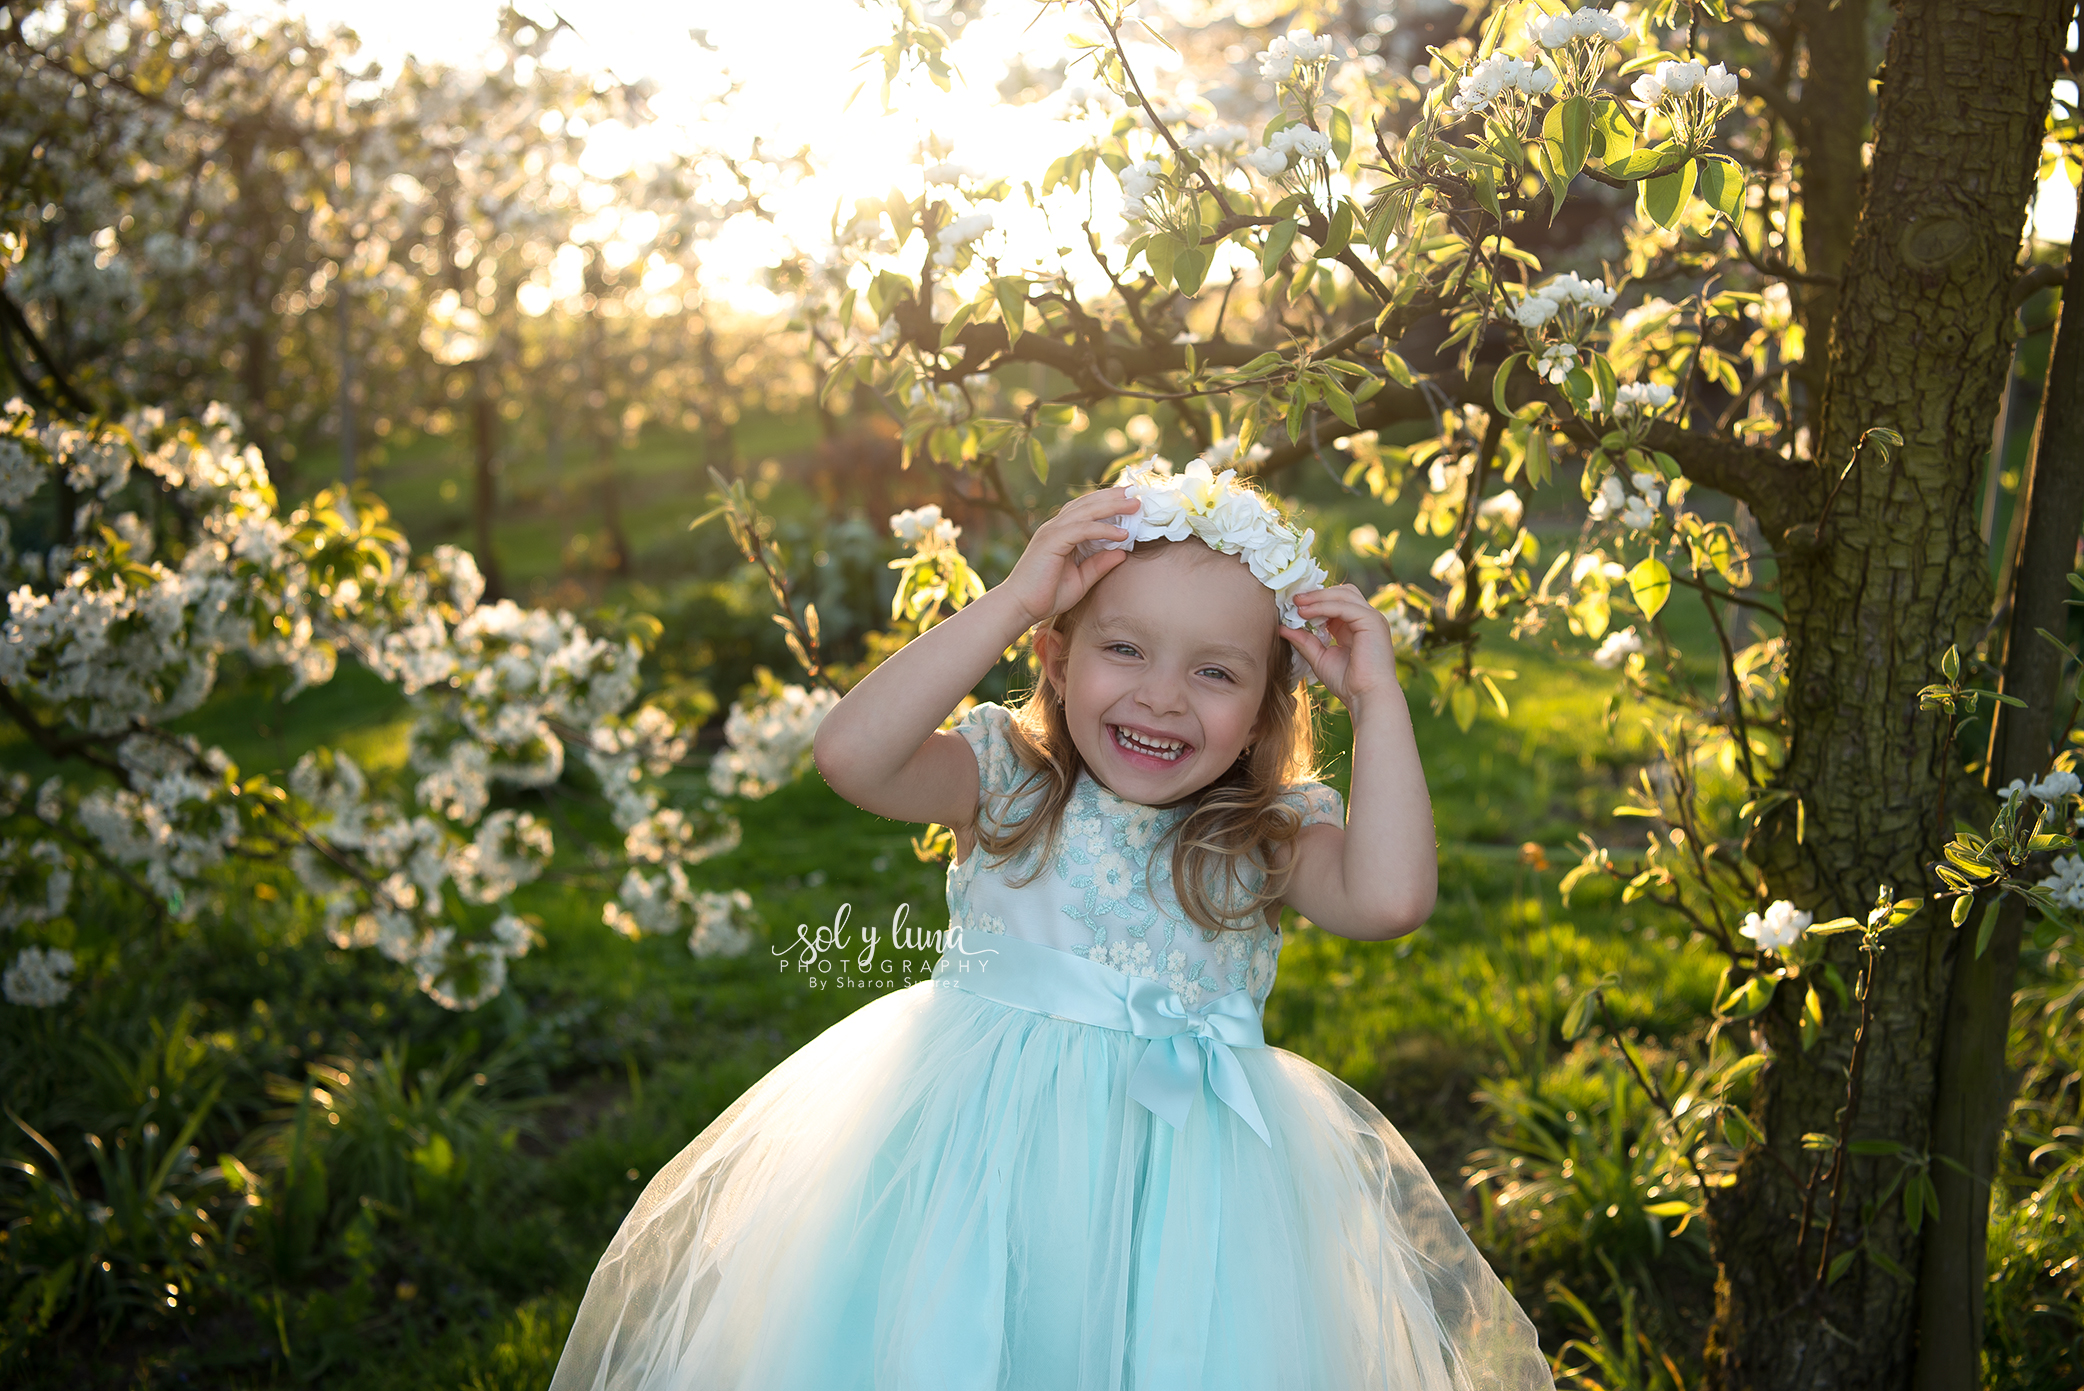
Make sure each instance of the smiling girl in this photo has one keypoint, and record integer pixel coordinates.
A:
(1070, 1160)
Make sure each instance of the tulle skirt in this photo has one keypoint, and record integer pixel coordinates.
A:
(945, 1191)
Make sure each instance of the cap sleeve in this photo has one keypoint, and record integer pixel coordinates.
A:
(984, 726)
(1319, 803)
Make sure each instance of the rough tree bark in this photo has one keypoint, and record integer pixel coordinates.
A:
(1975, 1087)
(1875, 589)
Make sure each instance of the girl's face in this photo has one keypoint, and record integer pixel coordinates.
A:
(1163, 677)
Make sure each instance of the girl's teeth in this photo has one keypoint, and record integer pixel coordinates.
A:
(1138, 744)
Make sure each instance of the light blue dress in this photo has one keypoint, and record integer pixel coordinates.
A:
(1067, 1162)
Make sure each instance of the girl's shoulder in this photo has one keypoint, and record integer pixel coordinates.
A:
(1317, 803)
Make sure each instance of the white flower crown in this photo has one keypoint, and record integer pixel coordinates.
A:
(1230, 516)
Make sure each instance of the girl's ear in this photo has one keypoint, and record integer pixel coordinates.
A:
(1049, 650)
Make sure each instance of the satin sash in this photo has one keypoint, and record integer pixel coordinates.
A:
(1185, 1045)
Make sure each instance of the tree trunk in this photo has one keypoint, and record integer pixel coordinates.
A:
(1975, 1088)
(347, 382)
(485, 495)
(1877, 583)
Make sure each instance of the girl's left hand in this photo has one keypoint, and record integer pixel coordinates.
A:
(1363, 664)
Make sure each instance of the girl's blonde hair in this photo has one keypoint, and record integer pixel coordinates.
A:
(1234, 820)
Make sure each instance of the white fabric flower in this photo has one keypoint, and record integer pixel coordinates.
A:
(1780, 928)
(1229, 516)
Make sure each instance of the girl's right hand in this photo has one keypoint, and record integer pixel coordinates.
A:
(1047, 580)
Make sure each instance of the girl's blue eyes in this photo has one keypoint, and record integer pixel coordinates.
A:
(1218, 672)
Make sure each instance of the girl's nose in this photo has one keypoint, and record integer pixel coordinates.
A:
(1161, 692)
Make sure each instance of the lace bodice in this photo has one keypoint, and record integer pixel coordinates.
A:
(1094, 901)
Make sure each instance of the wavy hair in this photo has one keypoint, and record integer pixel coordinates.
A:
(1235, 821)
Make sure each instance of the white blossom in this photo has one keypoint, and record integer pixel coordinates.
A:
(1720, 83)
(769, 746)
(2065, 882)
(1499, 75)
(1299, 47)
(717, 928)
(1780, 928)
(1617, 648)
(958, 234)
(1505, 509)
(1555, 363)
(2057, 785)
(37, 978)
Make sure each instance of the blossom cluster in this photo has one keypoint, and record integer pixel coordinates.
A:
(1618, 648)
(37, 977)
(1500, 76)
(1139, 181)
(769, 745)
(1558, 31)
(1297, 49)
(925, 528)
(959, 234)
(2053, 789)
(1216, 139)
(1287, 147)
(107, 640)
(1692, 97)
(1557, 318)
(2065, 882)
(1636, 510)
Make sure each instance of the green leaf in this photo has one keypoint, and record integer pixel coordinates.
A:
(1160, 251)
(1188, 268)
(1341, 134)
(1013, 305)
(1674, 1208)
(1722, 186)
(1741, 1068)
(956, 322)
(1484, 184)
(1578, 1017)
(1340, 233)
(1651, 583)
(1812, 1019)
(1279, 238)
(1613, 139)
(1538, 454)
(1569, 124)
(1749, 998)
(1987, 928)
(1950, 664)
(1839, 1265)
(1663, 199)
(1463, 705)
(1500, 378)
(1399, 370)
(1038, 459)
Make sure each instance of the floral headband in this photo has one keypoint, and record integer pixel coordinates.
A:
(1230, 516)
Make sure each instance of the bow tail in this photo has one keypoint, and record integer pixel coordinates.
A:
(1168, 1078)
(1227, 1075)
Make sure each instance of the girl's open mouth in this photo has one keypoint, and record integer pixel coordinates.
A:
(1161, 751)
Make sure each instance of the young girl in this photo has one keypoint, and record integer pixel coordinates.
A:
(1069, 1161)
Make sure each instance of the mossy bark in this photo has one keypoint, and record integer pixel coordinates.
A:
(1876, 587)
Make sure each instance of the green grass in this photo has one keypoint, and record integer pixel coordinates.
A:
(605, 1057)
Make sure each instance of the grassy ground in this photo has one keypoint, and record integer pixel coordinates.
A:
(604, 1057)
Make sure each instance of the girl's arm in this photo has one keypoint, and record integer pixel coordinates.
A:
(882, 747)
(1377, 876)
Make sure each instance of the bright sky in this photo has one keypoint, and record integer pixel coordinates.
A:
(796, 63)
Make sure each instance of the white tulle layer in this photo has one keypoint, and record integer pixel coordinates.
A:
(942, 1191)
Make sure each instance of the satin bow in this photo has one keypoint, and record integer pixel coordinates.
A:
(1184, 1045)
